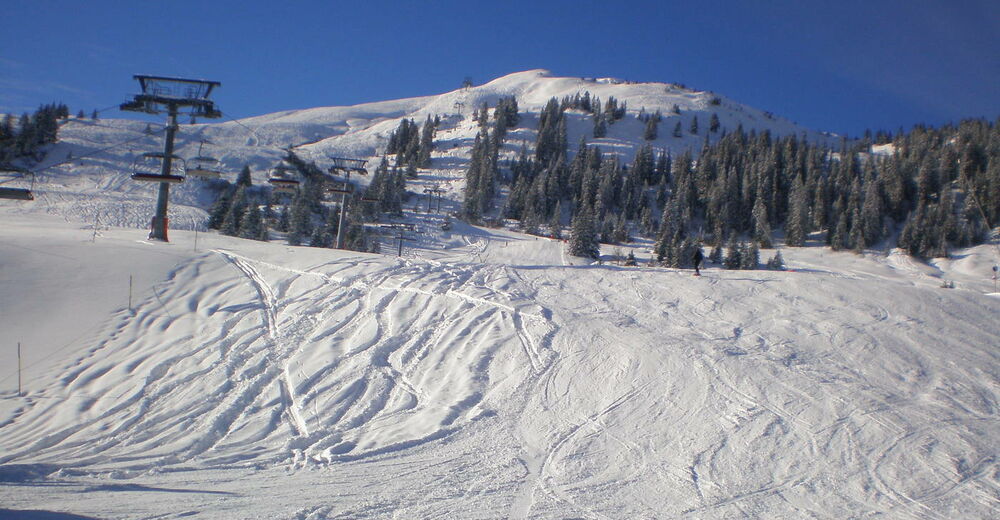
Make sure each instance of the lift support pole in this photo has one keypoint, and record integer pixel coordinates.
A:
(158, 229)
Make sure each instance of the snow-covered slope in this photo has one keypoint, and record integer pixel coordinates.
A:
(488, 380)
(483, 374)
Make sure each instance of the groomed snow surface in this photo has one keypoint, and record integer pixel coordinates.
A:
(254, 380)
(483, 374)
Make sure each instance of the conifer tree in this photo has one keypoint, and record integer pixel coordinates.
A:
(677, 129)
(600, 126)
(583, 235)
(839, 238)
(299, 225)
(871, 215)
(797, 226)
(761, 227)
(713, 123)
(694, 126)
(426, 143)
(555, 223)
(733, 258)
(652, 127)
(244, 179)
(219, 210)
(749, 256)
(283, 220)
(250, 224)
(231, 223)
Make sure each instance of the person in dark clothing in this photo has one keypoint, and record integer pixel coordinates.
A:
(698, 258)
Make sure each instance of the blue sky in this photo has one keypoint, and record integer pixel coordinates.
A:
(836, 66)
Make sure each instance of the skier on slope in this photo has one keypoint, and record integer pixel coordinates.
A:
(698, 258)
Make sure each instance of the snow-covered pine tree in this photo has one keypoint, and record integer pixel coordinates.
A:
(652, 127)
(299, 225)
(251, 223)
(426, 143)
(583, 235)
(761, 227)
(231, 223)
(733, 258)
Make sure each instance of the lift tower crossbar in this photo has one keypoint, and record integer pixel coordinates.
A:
(171, 95)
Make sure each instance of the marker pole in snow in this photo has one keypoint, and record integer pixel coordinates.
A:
(995, 273)
(130, 292)
(19, 393)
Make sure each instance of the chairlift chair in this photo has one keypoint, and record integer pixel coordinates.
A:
(205, 167)
(347, 165)
(7, 192)
(281, 179)
(147, 168)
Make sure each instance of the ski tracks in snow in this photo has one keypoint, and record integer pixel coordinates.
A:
(329, 363)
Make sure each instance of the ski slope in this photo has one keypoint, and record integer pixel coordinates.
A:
(483, 373)
(488, 380)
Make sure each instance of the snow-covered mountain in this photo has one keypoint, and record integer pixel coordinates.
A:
(103, 151)
(483, 374)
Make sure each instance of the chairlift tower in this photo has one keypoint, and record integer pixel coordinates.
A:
(171, 95)
(345, 166)
(431, 192)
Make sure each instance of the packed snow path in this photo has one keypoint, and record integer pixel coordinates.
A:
(431, 388)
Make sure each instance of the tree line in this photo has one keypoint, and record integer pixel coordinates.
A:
(926, 191)
(25, 138)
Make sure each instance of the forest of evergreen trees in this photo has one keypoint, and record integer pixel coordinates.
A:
(25, 138)
(926, 190)
(932, 190)
(308, 217)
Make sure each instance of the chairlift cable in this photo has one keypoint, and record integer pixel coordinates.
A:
(89, 154)
(252, 131)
